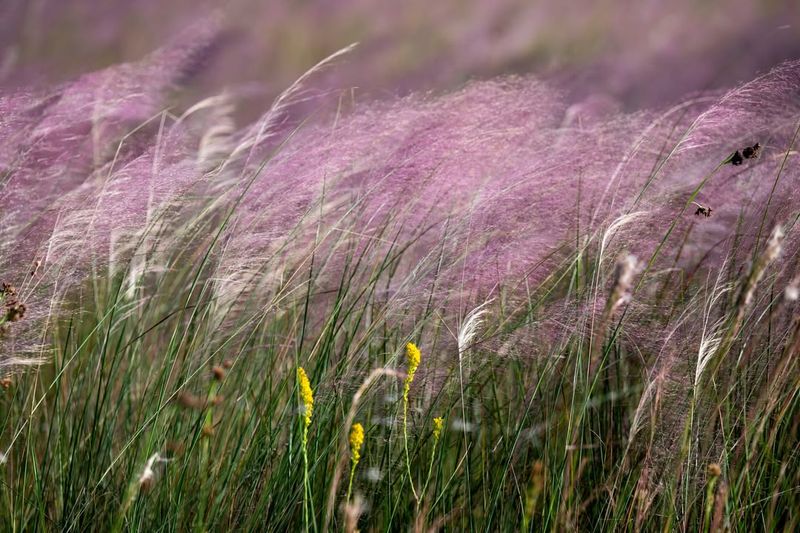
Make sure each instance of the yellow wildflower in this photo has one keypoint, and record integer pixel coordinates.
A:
(438, 424)
(306, 394)
(356, 441)
(414, 357)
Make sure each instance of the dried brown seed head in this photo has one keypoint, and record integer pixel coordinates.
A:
(702, 210)
(751, 152)
(16, 311)
(189, 400)
(175, 448)
(7, 289)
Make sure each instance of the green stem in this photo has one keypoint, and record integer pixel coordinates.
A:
(305, 478)
(350, 483)
(405, 442)
(428, 477)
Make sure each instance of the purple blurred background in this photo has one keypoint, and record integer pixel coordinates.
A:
(637, 53)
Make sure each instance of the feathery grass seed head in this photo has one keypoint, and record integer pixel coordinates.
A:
(148, 476)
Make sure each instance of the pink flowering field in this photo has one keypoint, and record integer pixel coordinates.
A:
(338, 265)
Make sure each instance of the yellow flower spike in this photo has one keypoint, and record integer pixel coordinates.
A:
(414, 357)
(356, 441)
(438, 424)
(306, 394)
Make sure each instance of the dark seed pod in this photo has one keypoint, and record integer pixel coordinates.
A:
(7, 290)
(751, 152)
(702, 210)
(218, 373)
(15, 312)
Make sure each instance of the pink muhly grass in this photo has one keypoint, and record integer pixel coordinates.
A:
(489, 187)
(84, 164)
